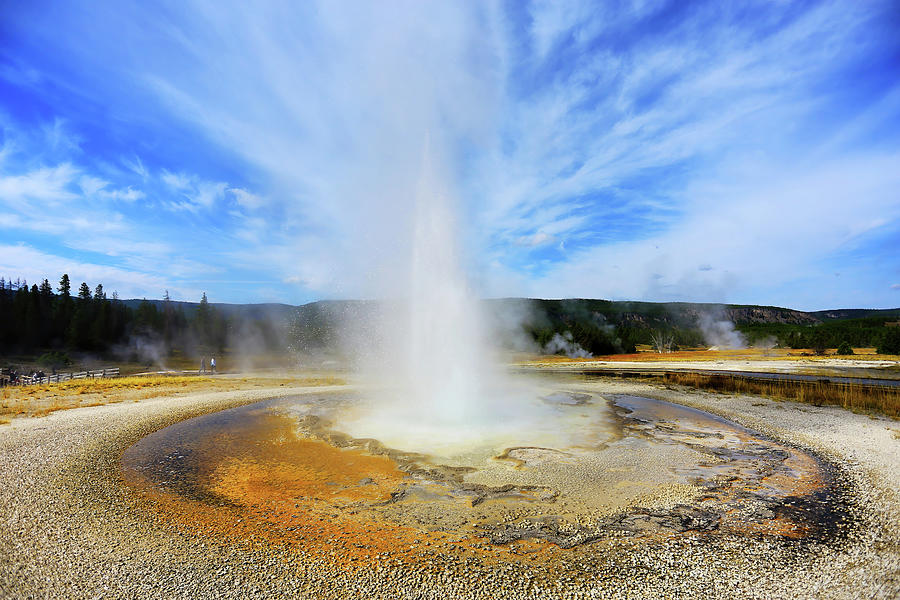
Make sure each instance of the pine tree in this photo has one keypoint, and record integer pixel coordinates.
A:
(6, 334)
(100, 327)
(32, 335)
(146, 319)
(118, 318)
(63, 311)
(21, 318)
(203, 322)
(79, 334)
(46, 311)
(168, 318)
(65, 288)
(845, 349)
(890, 340)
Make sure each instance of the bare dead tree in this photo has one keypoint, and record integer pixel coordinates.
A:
(662, 341)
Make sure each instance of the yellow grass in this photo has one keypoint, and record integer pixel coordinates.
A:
(645, 354)
(38, 401)
(855, 397)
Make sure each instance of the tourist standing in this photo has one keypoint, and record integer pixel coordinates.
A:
(212, 364)
(203, 365)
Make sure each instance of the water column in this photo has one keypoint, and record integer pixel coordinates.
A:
(446, 360)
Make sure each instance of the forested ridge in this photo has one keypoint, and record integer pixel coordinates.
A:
(42, 318)
(607, 327)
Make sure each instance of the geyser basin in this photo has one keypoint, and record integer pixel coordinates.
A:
(598, 471)
(512, 417)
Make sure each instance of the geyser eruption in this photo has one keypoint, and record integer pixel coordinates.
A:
(440, 387)
(445, 362)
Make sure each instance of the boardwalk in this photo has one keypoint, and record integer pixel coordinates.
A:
(5, 379)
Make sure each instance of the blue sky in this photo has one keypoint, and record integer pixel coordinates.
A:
(722, 152)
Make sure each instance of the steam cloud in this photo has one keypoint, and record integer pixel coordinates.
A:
(145, 349)
(566, 345)
(719, 331)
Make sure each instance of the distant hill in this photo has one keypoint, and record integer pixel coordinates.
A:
(250, 311)
(635, 311)
(36, 319)
(576, 326)
(582, 326)
(855, 313)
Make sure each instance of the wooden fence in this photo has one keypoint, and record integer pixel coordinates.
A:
(59, 377)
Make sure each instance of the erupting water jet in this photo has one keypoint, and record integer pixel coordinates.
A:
(446, 387)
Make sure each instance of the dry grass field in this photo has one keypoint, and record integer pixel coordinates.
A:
(40, 400)
(36, 401)
(865, 362)
(646, 354)
(177, 361)
(858, 398)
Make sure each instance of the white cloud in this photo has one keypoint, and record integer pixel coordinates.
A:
(128, 194)
(69, 206)
(536, 239)
(719, 90)
(45, 200)
(137, 166)
(120, 245)
(48, 185)
(59, 139)
(34, 265)
(195, 193)
(91, 185)
(177, 181)
(207, 193)
(648, 161)
(247, 200)
(762, 234)
(94, 187)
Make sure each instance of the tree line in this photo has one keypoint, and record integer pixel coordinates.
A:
(39, 318)
(605, 327)
(878, 332)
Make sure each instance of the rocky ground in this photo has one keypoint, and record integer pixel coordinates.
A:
(70, 528)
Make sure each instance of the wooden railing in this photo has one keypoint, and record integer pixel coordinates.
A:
(60, 377)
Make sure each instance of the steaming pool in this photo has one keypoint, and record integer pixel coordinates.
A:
(591, 473)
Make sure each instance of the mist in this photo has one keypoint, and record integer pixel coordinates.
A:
(435, 376)
(402, 216)
(145, 349)
(564, 344)
(719, 331)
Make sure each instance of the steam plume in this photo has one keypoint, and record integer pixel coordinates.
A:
(719, 331)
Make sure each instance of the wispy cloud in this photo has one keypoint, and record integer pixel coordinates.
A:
(53, 213)
(246, 200)
(136, 165)
(46, 184)
(537, 239)
(193, 193)
(654, 150)
(34, 265)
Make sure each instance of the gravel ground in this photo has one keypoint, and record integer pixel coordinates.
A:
(68, 530)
